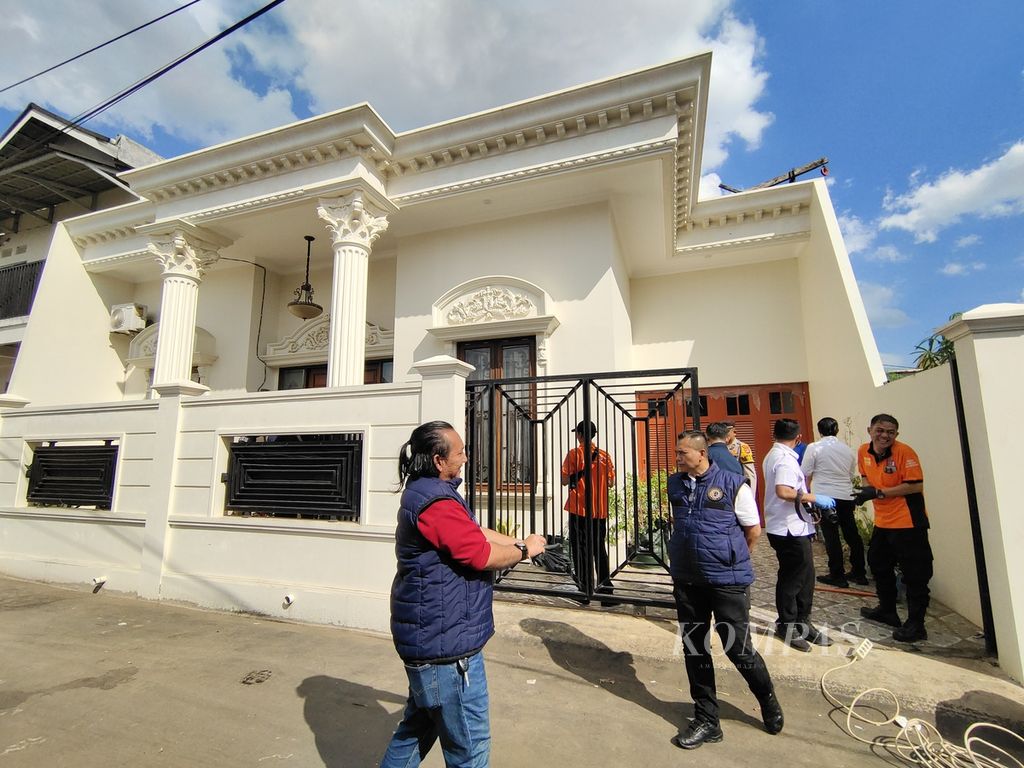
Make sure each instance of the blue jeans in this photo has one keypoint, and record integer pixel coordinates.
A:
(447, 703)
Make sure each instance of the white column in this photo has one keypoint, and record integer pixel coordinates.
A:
(354, 225)
(184, 258)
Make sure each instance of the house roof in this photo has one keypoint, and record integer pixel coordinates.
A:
(46, 161)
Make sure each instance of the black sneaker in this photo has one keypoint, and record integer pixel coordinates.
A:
(911, 632)
(696, 734)
(882, 615)
(793, 637)
(771, 714)
(815, 636)
(834, 581)
(858, 578)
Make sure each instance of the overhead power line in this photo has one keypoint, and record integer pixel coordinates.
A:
(97, 47)
(140, 84)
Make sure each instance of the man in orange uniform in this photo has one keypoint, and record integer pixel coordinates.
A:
(588, 529)
(895, 483)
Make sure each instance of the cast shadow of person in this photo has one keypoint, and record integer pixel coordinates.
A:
(348, 720)
(614, 671)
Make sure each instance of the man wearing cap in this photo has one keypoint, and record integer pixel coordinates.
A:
(588, 527)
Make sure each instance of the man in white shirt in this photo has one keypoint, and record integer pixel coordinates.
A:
(830, 466)
(790, 530)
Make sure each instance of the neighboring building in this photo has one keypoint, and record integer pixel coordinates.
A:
(49, 171)
(557, 235)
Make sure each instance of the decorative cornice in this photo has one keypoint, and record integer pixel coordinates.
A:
(742, 242)
(277, 165)
(103, 236)
(534, 135)
(986, 319)
(713, 221)
(521, 174)
(117, 260)
(247, 206)
(544, 325)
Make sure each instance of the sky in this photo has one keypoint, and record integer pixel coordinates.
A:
(918, 104)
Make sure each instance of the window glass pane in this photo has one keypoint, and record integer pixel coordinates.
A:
(480, 357)
(291, 378)
(744, 405)
(731, 406)
(387, 371)
(775, 402)
(787, 402)
(515, 361)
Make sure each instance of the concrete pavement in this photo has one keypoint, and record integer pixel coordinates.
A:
(90, 680)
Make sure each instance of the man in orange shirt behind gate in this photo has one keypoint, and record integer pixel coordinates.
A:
(588, 533)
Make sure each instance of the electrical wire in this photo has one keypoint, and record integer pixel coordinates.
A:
(918, 742)
(97, 47)
(139, 84)
(259, 326)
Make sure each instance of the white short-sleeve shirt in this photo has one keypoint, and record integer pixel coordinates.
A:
(782, 467)
(833, 466)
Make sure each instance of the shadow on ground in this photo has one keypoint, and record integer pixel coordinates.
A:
(336, 710)
(613, 671)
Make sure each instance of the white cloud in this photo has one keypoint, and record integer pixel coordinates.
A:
(416, 61)
(996, 189)
(960, 268)
(200, 102)
(709, 186)
(879, 301)
(888, 253)
(857, 235)
(968, 241)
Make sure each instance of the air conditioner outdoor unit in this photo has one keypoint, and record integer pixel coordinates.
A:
(127, 318)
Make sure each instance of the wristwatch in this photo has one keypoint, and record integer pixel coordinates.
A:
(880, 492)
(522, 548)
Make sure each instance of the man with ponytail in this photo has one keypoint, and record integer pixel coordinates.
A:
(441, 603)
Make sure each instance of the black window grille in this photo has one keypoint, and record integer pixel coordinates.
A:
(300, 476)
(18, 285)
(72, 476)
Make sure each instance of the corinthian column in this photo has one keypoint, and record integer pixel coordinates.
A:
(354, 225)
(184, 257)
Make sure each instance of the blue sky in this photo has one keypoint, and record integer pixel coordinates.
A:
(918, 105)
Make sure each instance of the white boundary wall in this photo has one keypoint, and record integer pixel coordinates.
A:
(166, 535)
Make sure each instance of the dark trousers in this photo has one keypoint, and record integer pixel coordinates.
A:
(909, 549)
(730, 605)
(834, 547)
(794, 588)
(588, 540)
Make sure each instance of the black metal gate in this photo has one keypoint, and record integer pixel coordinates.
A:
(600, 501)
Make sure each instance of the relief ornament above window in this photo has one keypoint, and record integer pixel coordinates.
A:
(490, 304)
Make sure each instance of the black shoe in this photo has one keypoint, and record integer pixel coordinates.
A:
(882, 615)
(697, 733)
(815, 636)
(793, 637)
(911, 632)
(858, 578)
(834, 581)
(771, 714)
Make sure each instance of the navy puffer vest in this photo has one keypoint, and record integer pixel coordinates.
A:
(440, 609)
(707, 544)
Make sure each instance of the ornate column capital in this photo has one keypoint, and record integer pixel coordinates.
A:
(352, 219)
(182, 254)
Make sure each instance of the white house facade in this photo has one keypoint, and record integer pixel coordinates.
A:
(557, 235)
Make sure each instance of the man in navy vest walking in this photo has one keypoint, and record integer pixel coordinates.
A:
(715, 527)
(441, 604)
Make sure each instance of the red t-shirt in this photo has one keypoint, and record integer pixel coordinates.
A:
(446, 525)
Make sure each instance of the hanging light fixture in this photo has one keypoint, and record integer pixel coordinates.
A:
(303, 306)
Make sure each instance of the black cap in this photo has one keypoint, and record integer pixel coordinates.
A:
(586, 428)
